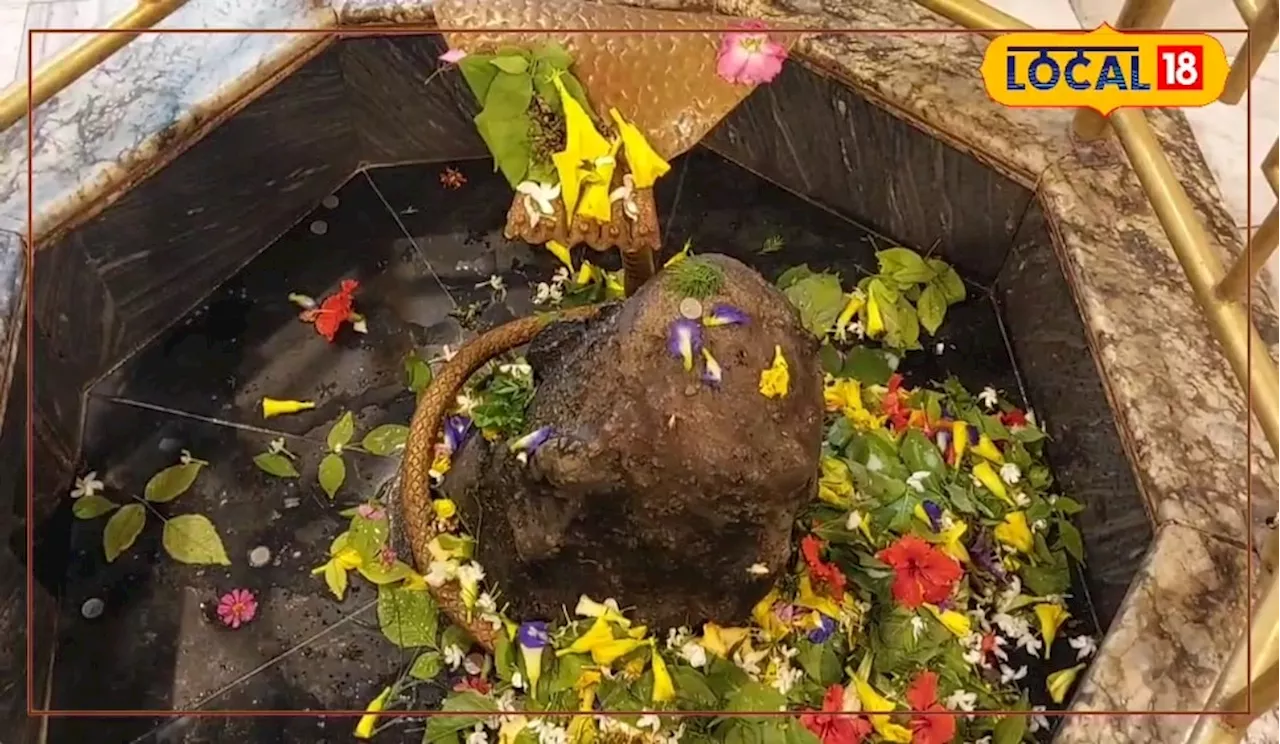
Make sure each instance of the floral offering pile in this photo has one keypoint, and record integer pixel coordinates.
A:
(930, 573)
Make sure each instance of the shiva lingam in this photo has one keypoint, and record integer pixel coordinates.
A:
(582, 125)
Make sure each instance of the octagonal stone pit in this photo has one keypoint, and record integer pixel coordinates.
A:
(162, 321)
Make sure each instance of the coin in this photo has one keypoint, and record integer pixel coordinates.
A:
(92, 608)
(691, 308)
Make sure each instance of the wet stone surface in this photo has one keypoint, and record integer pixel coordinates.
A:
(422, 253)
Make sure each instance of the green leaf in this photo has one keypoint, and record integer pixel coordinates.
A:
(512, 64)
(172, 482)
(793, 275)
(1068, 505)
(821, 662)
(455, 636)
(932, 308)
(332, 473)
(274, 463)
(920, 454)
(509, 96)
(819, 298)
(386, 439)
(508, 141)
(692, 690)
(504, 658)
(407, 617)
(335, 576)
(92, 506)
(754, 697)
(1028, 434)
(478, 73)
(830, 358)
(427, 666)
(554, 56)
(868, 366)
(948, 281)
(569, 668)
(1069, 539)
(380, 573)
(960, 499)
(417, 372)
(192, 538)
(342, 432)
(1009, 730)
(1046, 580)
(122, 529)
(444, 729)
(904, 265)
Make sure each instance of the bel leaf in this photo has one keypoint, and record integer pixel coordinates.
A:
(386, 439)
(427, 666)
(904, 265)
(172, 482)
(192, 538)
(335, 577)
(478, 73)
(92, 506)
(122, 529)
(509, 95)
(554, 55)
(508, 141)
(868, 366)
(948, 281)
(274, 463)
(819, 298)
(407, 617)
(931, 308)
(1009, 730)
(1069, 539)
(332, 474)
(342, 432)
(513, 64)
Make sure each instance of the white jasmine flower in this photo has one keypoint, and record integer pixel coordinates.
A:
(786, 678)
(1008, 675)
(854, 521)
(917, 626)
(1084, 645)
(916, 480)
(1021, 499)
(758, 569)
(544, 294)
(939, 347)
(496, 283)
(1031, 643)
(471, 573)
(649, 721)
(677, 637)
(276, 448)
(855, 329)
(439, 572)
(453, 656)
(360, 325)
(988, 397)
(478, 735)
(561, 276)
(961, 700)
(1037, 722)
(88, 485)
(538, 200)
(549, 733)
(447, 353)
(1012, 626)
(517, 369)
(517, 680)
(694, 653)
(626, 194)
(1009, 473)
(1039, 525)
(464, 404)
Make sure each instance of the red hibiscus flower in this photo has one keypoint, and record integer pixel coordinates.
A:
(894, 405)
(836, 729)
(933, 727)
(921, 572)
(1013, 418)
(822, 571)
(335, 310)
(473, 684)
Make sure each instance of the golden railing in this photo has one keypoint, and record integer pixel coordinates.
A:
(1220, 292)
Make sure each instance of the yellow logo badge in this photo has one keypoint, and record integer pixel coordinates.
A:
(1104, 69)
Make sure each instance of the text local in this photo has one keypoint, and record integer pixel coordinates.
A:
(1044, 72)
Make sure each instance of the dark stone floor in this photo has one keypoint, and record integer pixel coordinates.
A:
(419, 250)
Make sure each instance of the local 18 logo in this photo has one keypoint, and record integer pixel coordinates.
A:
(1104, 69)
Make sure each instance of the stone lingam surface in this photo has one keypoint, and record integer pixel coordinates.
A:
(1072, 235)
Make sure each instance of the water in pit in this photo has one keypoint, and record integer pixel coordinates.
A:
(425, 244)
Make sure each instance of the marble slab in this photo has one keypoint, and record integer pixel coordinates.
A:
(1187, 444)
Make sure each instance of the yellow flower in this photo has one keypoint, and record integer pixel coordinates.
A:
(775, 380)
(806, 597)
(855, 303)
(559, 250)
(582, 145)
(956, 622)
(511, 729)
(682, 255)
(586, 273)
(582, 730)
(875, 320)
(272, 407)
(414, 582)
(874, 702)
(767, 619)
(1059, 683)
(1015, 532)
(846, 396)
(444, 508)
(1051, 617)
(441, 464)
(608, 609)
(663, 688)
(952, 542)
(600, 643)
(721, 641)
(960, 440)
(348, 558)
(986, 448)
(595, 186)
(990, 480)
(614, 289)
(645, 164)
(364, 728)
(836, 484)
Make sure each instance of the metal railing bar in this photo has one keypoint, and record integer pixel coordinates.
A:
(1245, 268)
(1262, 34)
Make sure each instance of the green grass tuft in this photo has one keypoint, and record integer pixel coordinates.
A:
(695, 277)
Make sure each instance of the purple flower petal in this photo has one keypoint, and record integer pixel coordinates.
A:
(826, 627)
(711, 371)
(984, 555)
(722, 315)
(529, 443)
(456, 430)
(973, 435)
(934, 512)
(943, 438)
(684, 339)
(533, 635)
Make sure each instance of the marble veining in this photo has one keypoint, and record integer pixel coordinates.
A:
(1180, 413)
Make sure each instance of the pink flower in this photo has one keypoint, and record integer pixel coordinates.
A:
(452, 56)
(237, 607)
(748, 57)
(371, 512)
